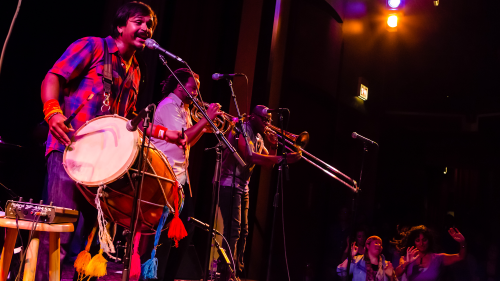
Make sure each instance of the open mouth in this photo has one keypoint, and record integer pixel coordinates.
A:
(142, 38)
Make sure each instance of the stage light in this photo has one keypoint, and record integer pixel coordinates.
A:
(394, 4)
(436, 3)
(392, 21)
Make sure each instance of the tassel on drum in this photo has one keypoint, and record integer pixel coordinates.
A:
(176, 231)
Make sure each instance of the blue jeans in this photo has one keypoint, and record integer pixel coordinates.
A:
(62, 191)
(233, 204)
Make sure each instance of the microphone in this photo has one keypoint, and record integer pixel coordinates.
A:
(275, 110)
(363, 139)
(133, 123)
(153, 45)
(218, 76)
(201, 225)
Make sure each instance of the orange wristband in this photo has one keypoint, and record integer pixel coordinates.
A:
(50, 107)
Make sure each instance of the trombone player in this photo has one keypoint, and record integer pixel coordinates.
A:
(234, 191)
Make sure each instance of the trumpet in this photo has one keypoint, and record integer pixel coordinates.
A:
(298, 142)
(224, 122)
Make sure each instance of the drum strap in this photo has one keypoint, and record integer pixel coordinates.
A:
(189, 183)
(107, 76)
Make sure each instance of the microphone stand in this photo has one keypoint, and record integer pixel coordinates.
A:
(213, 207)
(220, 250)
(282, 169)
(239, 123)
(355, 207)
(223, 143)
(137, 198)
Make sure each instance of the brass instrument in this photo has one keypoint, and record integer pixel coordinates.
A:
(298, 142)
(224, 122)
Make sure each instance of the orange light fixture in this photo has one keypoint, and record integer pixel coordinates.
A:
(392, 21)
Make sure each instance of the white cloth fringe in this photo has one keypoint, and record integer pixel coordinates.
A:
(104, 238)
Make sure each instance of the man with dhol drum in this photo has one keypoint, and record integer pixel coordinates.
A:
(76, 76)
(173, 113)
(234, 191)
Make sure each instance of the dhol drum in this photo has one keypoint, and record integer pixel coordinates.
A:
(104, 153)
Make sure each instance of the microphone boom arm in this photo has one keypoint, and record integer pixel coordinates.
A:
(216, 130)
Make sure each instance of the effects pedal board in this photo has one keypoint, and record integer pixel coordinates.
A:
(30, 211)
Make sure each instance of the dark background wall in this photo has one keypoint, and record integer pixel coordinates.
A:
(433, 107)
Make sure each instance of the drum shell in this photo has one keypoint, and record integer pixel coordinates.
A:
(157, 190)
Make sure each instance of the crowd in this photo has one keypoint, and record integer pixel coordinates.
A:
(411, 253)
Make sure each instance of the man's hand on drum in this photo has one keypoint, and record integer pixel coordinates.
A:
(59, 130)
(177, 138)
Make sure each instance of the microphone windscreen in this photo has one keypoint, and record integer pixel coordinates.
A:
(216, 76)
(150, 43)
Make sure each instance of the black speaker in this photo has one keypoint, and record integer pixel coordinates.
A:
(190, 268)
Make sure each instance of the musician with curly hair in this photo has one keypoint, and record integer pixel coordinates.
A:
(419, 261)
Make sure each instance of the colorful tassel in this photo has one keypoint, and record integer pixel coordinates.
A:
(84, 257)
(135, 265)
(97, 266)
(149, 269)
(176, 230)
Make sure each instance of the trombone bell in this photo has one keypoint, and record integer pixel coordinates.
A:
(302, 140)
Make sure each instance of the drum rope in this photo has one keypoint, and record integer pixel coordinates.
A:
(104, 237)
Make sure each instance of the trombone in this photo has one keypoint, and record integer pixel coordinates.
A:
(298, 142)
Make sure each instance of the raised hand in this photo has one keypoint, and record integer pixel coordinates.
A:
(411, 254)
(455, 234)
(354, 249)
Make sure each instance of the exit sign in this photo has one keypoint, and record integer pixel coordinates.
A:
(363, 92)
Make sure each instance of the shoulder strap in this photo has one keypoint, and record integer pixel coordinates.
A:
(107, 73)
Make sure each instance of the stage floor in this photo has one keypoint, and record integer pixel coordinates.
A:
(114, 272)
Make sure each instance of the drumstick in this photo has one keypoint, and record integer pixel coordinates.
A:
(184, 146)
(68, 121)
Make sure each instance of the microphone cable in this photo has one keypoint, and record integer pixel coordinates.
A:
(8, 34)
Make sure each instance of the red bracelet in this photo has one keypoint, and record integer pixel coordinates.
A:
(160, 132)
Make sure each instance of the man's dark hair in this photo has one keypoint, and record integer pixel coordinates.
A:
(129, 10)
(171, 83)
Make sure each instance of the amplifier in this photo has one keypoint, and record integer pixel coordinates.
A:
(48, 213)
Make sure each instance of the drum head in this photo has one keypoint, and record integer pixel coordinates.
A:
(101, 151)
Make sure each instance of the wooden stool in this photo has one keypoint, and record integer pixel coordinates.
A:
(32, 254)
